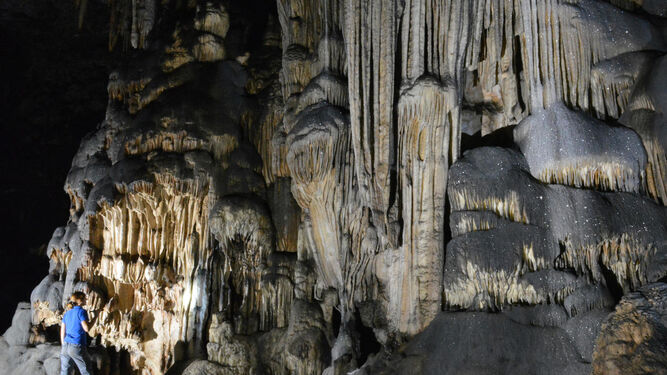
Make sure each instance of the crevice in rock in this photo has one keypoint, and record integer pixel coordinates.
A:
(368, 344)
(611, 283)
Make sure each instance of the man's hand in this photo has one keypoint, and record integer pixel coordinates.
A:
(62, 334)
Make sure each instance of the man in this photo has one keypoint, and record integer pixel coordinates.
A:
(73, 336)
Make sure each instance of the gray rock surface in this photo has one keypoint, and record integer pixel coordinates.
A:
(485, 343)
(18, 333)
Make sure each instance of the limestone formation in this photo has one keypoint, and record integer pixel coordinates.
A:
(368, 187)
(632, 339)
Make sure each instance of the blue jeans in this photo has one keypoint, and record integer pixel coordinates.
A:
(76, 353)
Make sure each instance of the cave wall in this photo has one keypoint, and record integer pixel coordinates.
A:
(373, 186)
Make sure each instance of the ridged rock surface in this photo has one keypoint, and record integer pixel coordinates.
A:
(368, 186)
(633, 339)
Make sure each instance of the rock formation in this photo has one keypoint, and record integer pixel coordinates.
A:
(306, 187)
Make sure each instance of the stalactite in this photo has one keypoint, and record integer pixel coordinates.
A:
(370, 36)
(612, 82)
(302, 27)
(149, 239)
(208, 48)
(527, 55)
(623, 255)
(212, 18)
(508, 207)
(317, 153)
(269, 124)
(656, 170)
(483, 290)
(131, 22)
(425, 128)
(246, 236)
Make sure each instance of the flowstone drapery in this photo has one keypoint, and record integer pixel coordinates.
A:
(382, 186)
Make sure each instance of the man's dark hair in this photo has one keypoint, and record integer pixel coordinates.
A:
(78, 297)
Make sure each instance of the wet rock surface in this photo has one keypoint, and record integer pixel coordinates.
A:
(279, 187)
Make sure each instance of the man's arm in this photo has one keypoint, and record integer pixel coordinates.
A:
(83, 316)
(62, 333)
(84, 325)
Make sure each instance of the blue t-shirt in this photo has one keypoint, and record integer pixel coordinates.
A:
(74, 333)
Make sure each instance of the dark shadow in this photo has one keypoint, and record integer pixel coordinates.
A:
(368, 344)
(612, 284)
(119, 362)
(335, 322)
(503, 137)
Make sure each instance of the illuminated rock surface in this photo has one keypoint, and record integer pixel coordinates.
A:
(303, 187)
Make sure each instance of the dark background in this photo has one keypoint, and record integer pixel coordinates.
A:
(53, 79)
